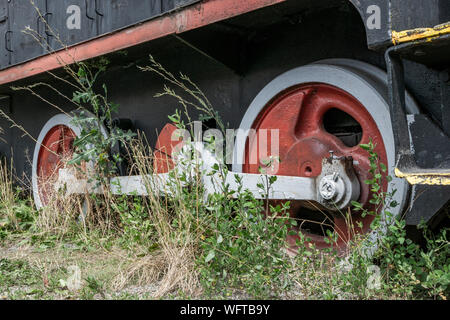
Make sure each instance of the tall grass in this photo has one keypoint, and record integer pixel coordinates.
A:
(174, 234)
(7, 194)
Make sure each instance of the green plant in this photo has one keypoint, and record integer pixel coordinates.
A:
(16, 272)
(243, 249)
(94, 286)
(137, 227)
(407, 269)
(381, 200)
(411, 270)
(16, 213)
(93, 144)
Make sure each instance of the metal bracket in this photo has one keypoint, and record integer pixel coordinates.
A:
(428, 183)
(406, 164)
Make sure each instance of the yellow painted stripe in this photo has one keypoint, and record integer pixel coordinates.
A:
(420, 33)
(432, 179)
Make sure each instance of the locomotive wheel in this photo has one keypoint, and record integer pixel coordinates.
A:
(53, 148)
(332, 105)
(162, 155)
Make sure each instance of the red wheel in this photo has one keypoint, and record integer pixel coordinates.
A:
(53, 148)
(299, 115)
(331, 106)
(165, 146)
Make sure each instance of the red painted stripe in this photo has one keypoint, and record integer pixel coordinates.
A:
(196, 16)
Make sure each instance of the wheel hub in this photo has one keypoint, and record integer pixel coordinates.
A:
(332, 187)
(306, 155)
(338, 184)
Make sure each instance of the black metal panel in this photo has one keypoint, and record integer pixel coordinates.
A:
(399, 15)
(445, 100)
(169, 5)
(429, 155)
(426, 201)
(116, 14)
(4, 27)
(428, 151)
(96, 17)
(376, 35)
(434, 53)
(444, 10)
(62, 17)
(22, 14)
(414, 14)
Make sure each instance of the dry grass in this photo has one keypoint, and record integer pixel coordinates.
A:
(169, 268)
(7, 194)
(55, 264)
(172, 265)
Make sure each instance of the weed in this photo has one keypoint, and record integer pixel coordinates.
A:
(16, 213)
(94, 144)
(242, 248)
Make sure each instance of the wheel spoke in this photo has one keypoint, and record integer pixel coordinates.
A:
(309, 117)
(283, 111)
(52, 143)
(165, 146)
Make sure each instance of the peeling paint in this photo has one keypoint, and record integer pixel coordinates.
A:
(425, 178)
(420, 33)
